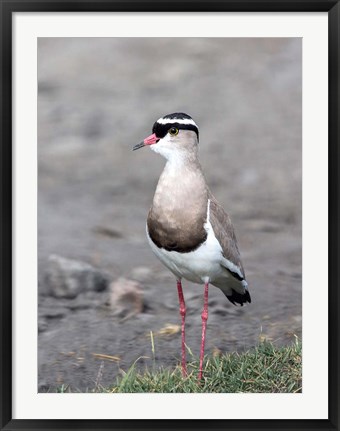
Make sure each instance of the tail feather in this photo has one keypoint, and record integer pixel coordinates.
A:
(238, 298)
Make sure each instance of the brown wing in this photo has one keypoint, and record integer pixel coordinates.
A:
(225, 235)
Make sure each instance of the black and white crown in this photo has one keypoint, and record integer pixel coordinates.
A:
(177, 119)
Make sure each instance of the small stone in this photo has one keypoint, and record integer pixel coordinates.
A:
(66, 278)
(54, 313)
(79, 304)
(126, 297)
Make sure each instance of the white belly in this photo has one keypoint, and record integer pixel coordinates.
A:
(198, 266)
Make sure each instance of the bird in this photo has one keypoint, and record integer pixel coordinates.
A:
(187, 229)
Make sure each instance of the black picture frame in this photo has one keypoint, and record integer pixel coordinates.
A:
(7, 8)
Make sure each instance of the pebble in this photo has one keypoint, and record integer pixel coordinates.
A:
(66, 278)
(125, 298)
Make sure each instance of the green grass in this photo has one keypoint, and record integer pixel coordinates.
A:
(265, 369)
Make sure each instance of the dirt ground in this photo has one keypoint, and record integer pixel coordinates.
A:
(99, 97)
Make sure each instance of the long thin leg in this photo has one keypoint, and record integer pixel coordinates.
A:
(182, 311)
(204, 326)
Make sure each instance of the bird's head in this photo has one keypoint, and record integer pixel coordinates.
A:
(173, 136)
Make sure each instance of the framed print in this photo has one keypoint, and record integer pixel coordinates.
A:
(197, 289)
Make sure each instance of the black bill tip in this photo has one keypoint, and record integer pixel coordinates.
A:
(138, 146)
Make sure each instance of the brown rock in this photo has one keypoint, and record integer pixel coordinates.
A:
(126, 297)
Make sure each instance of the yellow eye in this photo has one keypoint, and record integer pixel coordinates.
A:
(173, 131)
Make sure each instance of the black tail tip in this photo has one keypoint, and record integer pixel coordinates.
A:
(238, 298)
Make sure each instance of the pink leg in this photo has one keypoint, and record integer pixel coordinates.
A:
(204, 326)
(182, 311)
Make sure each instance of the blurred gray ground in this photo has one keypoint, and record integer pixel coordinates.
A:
(100, 96)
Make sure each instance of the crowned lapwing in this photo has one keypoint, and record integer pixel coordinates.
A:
(187, 228)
